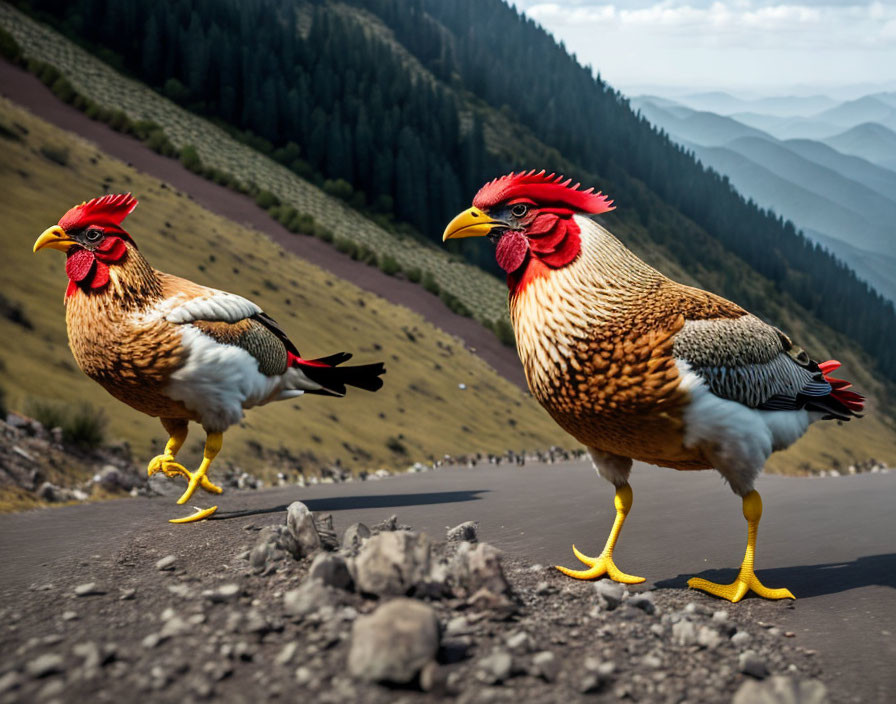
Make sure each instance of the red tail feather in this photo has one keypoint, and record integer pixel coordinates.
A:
(850, 399)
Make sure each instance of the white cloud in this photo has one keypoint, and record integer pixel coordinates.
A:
(747, 42)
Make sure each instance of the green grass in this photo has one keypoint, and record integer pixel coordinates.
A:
(420, 410)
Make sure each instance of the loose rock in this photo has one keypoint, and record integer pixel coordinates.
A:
(394, 564)
(166, 563)
(781, 690)
(609, 592)
(354, 537)
(394, 642)
(332, 570)
(495, 667)
(300, 522)
(546, 665)
(751, 663)
(44, 665)
(465, 531)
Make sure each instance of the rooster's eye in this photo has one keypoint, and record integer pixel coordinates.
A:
(93, 235)
(519, 210)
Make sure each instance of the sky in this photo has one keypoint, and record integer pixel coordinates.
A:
(751, 47)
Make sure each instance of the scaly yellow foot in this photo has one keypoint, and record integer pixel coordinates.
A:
(737, 590)
(201, 513)
(603, 564)
(746, 579)
(599, 566)
(213, 442)
(167, 465)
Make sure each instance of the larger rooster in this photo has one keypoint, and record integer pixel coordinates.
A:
(172, 348)
(637, 366)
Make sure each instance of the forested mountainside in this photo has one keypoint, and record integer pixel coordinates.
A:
(402, 114)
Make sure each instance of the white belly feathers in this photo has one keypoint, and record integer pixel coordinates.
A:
(218, 381)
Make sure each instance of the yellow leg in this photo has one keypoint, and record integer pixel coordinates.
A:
(177, 430)
(603, 564)
(746, 579)
(213, 442)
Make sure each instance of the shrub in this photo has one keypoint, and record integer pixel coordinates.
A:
(266, 199)
(9, 47)
(348, 247)
(82, 425)
(455, 305)
(63, 90)
(189, 157)
(397, 446)
(158, 141)
(504, 332)
(339, 188)
(58, 155)
(414, 274)
(389, 265)
(430, 284)
(322, 233)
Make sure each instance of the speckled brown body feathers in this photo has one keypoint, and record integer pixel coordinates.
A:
(130, 355)
(595, 339)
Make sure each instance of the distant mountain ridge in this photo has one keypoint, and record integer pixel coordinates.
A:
(843, 201)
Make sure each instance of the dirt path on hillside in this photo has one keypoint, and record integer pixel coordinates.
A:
(26, 90)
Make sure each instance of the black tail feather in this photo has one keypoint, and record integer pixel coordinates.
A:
(334, 378)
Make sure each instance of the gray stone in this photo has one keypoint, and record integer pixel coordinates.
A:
(684, 633)
(127, 594)
(394, 642)
(287, 653)
(545, 665)
(88, 589)
(300, 522)
(433, 678)
(70, 616)
(112, 478)
(166, 563)
(354, 537)
(609, 592)
(311, 596)
(332, 570)
(174, 626)
(708, 637)
(394, 563)
(476, 567)
(741, 638)
(91, 654)
(495, 667)
(44, 665)
(224, 593)
(275, 544)
(643, 601)
(11, 680)
(781, 690)
(520, 641)
(751, 663)
(467, 531)
(720, 616)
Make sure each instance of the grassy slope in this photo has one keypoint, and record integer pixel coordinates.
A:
(420, 403)
(875, 436)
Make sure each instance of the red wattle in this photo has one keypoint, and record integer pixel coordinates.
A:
(101, 277)
(79, 264)
(511, 251)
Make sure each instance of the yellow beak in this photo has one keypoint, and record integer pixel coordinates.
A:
(54, 238)
(470, 223)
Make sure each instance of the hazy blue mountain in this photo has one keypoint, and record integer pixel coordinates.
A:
(870, 141)
(780, 106)
(869, 108)
(801, 191)
(865, 172)
(788, 127)
(703, 128)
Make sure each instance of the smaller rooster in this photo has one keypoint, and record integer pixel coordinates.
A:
(175, 349)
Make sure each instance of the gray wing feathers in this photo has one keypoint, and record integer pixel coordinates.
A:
(748, 361)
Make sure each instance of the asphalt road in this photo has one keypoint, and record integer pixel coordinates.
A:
(830, 541)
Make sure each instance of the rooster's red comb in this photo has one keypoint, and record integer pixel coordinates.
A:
(543, 189)
(107, 211)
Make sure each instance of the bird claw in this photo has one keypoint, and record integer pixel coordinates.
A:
(200, 514)
(746, 581)
(598, 567)
(198, 479)
(167, 465)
